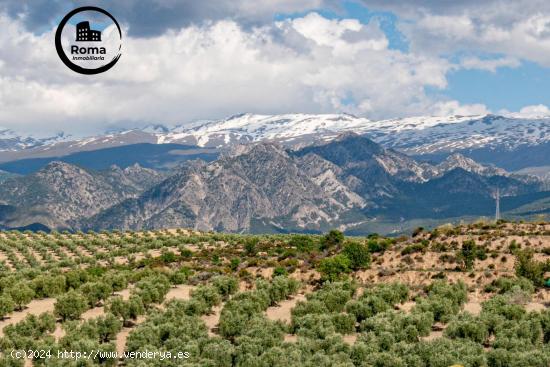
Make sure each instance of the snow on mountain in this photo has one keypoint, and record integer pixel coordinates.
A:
(413, 135)
(421, 135)
(289, 129)
(11, 141)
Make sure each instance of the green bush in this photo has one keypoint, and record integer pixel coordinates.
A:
(225, 285)
(334, 268)
(21, 294)
(303, 243)
(70, 306)
(334, 238)
(6, 306)
(528, 268)
(466, 326)
(358, 254)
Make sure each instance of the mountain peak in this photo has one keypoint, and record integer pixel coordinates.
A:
(457, 160)
(60, 166)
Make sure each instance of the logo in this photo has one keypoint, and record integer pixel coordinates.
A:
(89, 40)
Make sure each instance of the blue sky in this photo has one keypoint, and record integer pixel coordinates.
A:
(506, 88)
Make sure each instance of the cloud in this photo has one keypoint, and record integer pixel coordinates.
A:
(517, 29)
(307, 64)
(534, 111)
(448, 108)
(152, 18)
(489, 64)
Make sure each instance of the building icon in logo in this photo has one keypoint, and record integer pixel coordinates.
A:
(84, 33)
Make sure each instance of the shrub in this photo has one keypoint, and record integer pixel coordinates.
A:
(21, 294)
(392, 293)
(334, 268)
(207, 294)
(250, 246)
(152, 289)
(466, 326)
(48, 286)
(303, 243)
(70, 305)
(467, 254)
(6, 306)
(358, 254)
(528, 268)
(332, 239)
(378, 245)
(415, 247)
(234, 263)
(127, 310)
(225, 285)
(95, 292)
(506, 284)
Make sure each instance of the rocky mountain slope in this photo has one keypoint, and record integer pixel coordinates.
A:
(347, 182)
(260, 181)
(344, 183)
(61, 193)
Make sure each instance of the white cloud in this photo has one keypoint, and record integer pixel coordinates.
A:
(308, 64)
(518, 29)
(534, 111)
(489, 64)
(448, 108)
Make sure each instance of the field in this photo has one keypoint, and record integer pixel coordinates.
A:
(471, 295)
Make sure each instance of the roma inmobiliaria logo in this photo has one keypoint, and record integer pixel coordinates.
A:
(89, 40)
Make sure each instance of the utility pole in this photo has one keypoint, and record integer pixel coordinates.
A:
(497, 198)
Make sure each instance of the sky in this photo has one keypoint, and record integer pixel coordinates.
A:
(187, 60)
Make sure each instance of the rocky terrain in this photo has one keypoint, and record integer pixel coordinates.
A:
(350, 182)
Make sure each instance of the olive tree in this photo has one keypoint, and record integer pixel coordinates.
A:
(70, 305)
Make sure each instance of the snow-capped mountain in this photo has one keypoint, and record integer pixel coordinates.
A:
(414, 135)
(10, 141)
(418, 136)
(291, 129)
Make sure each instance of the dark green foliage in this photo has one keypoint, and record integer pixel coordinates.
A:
(506, 284)
(303, 243)
(21, 294)
(335, 268)
(469, 252)
(234, 263)
(378, 245)
(334, 238)
(466, 326)
(250, 246)
(70, 305)
(358, 254)
(6, 305)
(528, 268)
(225, 285)
(96, 292)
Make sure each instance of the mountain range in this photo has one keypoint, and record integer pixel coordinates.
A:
(346, 181)
(512, 143)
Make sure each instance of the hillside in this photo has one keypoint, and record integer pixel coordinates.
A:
(350, 182)
(468, 295)
(61, 193)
